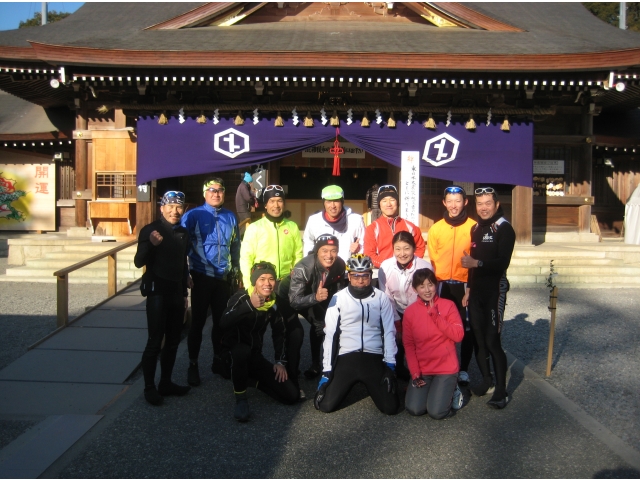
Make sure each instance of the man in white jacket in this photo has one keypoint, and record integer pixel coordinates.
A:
(360, 343)
(337, 220)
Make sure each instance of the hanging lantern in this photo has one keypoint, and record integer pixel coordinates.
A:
(365, 121)
(337, 150)
(471, 124)
(162, 119)
(506, 126)
(103, 109)
(308, 120)
(391, 123)
(239, 120)
(335, 120)
(430, 124)
(201, 118)
(279, 121)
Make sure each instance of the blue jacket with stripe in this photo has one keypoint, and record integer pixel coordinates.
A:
(215, 240)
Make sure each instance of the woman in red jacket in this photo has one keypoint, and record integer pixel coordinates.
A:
(431, 328)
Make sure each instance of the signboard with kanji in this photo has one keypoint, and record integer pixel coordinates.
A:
(410, 187)
(27, 196)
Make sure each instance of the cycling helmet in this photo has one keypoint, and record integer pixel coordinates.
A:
(359, 263)
(332, 192)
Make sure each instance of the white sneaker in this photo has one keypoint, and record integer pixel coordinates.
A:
(458, 399)
(303, 396)
(463, 378)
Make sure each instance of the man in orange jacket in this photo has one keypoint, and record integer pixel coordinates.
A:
(448, 239)
(378, 235)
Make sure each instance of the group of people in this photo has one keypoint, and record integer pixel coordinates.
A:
(407, 327)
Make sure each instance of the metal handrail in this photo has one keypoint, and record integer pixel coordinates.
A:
(63, 279)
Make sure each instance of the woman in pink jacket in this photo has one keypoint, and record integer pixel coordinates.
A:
(431, 328)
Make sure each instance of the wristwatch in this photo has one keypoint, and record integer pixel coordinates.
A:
(480, 263)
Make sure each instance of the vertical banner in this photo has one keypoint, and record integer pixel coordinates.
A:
(27, 197)
(410, 187)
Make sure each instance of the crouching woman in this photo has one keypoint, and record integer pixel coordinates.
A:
(431, 328)
(244, 323)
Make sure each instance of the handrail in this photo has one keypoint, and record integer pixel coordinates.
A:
(244, 222)
(63, 279)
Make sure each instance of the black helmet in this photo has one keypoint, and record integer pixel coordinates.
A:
(359, 263)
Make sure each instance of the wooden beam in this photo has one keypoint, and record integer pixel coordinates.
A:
(522, 214)
(564, 139)
(81, 169)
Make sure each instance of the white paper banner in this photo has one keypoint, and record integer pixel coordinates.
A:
(410, 187)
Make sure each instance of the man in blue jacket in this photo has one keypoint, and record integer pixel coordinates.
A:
(213, 258)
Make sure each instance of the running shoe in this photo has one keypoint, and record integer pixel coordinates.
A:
(499, 404)
(463, 378)
(487, 386)
(167, 388)
(458, 399)
(303, 396)
(313, 371)
(152, 396)
(193, 375)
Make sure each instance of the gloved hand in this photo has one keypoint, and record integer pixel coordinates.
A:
(389, 378)
(322, 387)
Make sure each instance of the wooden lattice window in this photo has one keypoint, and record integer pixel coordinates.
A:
(115, 186)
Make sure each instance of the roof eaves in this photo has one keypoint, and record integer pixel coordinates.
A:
(194, 16)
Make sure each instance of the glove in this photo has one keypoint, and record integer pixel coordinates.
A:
(389, 378)
(392, 366)
(322, 387)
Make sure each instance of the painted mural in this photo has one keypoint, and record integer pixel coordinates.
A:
(27, 197)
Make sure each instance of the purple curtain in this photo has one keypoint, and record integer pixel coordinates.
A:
(486, 155)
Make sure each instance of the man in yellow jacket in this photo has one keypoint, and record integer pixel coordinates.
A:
(277, 240)
(448, 239)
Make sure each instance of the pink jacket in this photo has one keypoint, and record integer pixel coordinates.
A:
(429, 337)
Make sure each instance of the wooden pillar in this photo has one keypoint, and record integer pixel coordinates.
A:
(81, 170)
(522, 214)
(119, 118)
(585, 173)
(145, 211)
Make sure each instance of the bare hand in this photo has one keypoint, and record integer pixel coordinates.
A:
(419, 382)
(281, 372)
(468, 261)
(155, 238)
(257, 300)
(355, 246)
(465, 299)
(322, 293)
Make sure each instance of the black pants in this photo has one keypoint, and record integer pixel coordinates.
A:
(294, 338)
(207, 292)
(355, 367)
(455, 292)
(315, 316)
(246, 363)
(486, 310)
(165, 316)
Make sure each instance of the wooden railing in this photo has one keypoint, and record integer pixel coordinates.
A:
(63, 279)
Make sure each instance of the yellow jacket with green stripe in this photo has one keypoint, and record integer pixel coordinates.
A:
(266, 241)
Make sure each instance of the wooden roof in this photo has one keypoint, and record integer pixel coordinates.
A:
(490, 37)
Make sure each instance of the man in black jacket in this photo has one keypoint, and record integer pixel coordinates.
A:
(492, 242)
(162, 248)
(244, 324)
(313, 282)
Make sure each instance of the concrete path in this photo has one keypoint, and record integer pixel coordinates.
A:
(94, 422)
(68, 379)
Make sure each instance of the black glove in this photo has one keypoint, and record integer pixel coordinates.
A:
(389, 378)
(322, 387)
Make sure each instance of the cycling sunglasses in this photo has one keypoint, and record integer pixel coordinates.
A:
(263, 266)
(268, 188)
(454, 189)
(387, 188)
(214, 190)
(485, 190)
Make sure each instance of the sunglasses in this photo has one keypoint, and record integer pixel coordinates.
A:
(263, 266)
(454, 189)
(268, 188)
(215, 190)
(359, 275)
(387, 188)
(483, 190)
(174, 194)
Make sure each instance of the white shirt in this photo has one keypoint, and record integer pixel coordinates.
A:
(396, 283)
(317, 225)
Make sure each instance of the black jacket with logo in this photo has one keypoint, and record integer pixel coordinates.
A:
(492, 242)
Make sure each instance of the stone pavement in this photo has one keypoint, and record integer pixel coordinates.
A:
(90, 420)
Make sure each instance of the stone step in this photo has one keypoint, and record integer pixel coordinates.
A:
(558, 252)
(97, 247)
(72, 280)
(62, 263)
(620, 271)
(75, 257)
(571, 280)
(579, 261)
(86, 272)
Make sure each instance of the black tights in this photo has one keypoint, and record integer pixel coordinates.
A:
(207, 292)
(455, 292)
(165, 316)
(486, 309)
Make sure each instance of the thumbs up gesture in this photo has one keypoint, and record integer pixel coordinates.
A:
(257, 300)
(468, 261)
(322, 293)
(355, 246)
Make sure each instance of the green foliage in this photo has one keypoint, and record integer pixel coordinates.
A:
(610, 11)
(36, 21)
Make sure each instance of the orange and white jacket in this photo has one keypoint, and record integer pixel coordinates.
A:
(447, 245)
